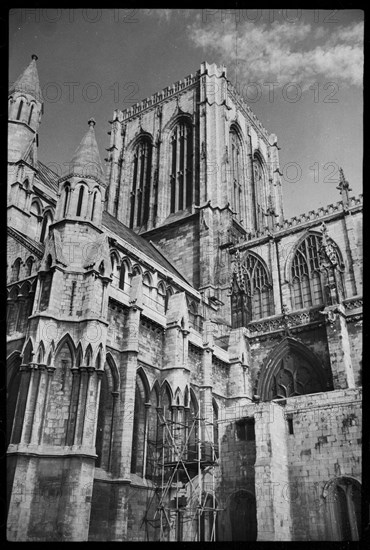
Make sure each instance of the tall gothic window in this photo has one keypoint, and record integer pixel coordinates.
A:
(291, 369)
(259, 192)
(181, 167)
(306, 277)
(252, 293)
(141, 180)
(80, 200)
(236, 165)
(20, 109)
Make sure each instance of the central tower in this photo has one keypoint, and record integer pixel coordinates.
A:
(193, 163)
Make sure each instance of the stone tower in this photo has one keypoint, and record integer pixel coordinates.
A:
(53, 444)
(193, 163)
(25, 111)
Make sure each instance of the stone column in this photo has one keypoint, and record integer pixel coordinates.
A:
(339, 347)
(271, 474)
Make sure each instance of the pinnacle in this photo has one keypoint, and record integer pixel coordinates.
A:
(86, 159)
(28, 81)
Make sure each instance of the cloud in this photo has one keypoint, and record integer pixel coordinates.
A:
(284, 52)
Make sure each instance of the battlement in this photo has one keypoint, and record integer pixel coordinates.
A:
(319, 213)
(156, 98)
(238, 98)
(304, 218)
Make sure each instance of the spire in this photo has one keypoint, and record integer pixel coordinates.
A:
(28, 82)
(343, 188)
(86, 161)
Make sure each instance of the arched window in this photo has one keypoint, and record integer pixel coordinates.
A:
(30, 115)
(106, 414)
(45, 224)
(16, 269)
(67, 191)
(237, 173)
(141, 183)
(12, 310)
(307, 280)
(20, 109)
(215, 429)
(169, 293)
(153, 445)
(25, 306)
(181, 167)
(251, 296)
(291, 369)
(29, 264)
(80, 200)
(93, 206)
(243, 516)
(161, 295)
(35, 212)
(343, 499)
(259, 177)
(46, 282)
(137, 452)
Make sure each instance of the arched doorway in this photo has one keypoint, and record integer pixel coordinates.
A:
(243, 517)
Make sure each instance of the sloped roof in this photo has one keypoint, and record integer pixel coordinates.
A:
(138, 242)
(86, 160)
(47, 176)
(28, 81)
(32, 245)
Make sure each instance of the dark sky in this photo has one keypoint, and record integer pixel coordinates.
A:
(300, 72)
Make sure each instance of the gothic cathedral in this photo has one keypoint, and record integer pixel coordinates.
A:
(184, 363)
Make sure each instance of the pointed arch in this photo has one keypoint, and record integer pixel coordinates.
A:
(137, 270)
(113, 371)
(138, 435)
(88, 356)
(107, 413)
(40, 353)
(29, 265)
(66, 339)
(180, 166)
(79, 355)
(251, 297)
(343, 496)
(291, 368)
(28, 353)
(178, 398)
(66, 199)
(237, 170)
(16, 268)
(303, 270)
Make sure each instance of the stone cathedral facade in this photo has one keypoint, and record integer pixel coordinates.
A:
(184, 363)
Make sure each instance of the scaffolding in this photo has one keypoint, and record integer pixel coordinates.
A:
(180, 507)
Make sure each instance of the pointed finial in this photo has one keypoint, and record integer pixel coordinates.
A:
(344, 188)
(34, 56)
(91, 122)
